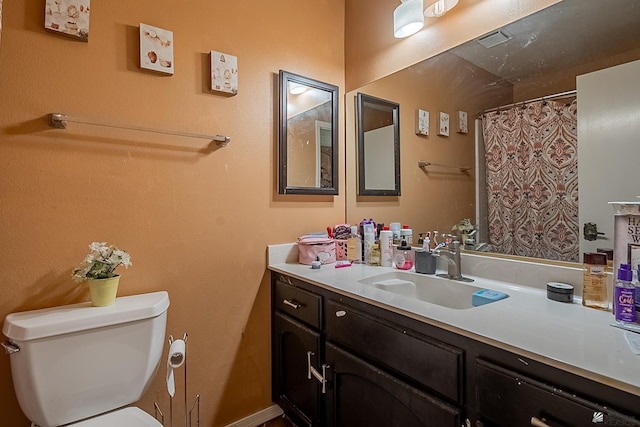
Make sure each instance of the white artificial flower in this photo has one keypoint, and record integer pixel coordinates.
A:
(101, 262)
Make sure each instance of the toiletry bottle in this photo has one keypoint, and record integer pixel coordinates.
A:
(354, 245)
(406, 234)
(403, 256)
(624, 294)
(374, 255)
(594, 281)
(426, 244)
(369, 241)
(636, 283)
(395, 229)
(610, 274)
(386, 247)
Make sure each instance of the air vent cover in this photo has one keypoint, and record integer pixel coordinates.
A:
(495, 38)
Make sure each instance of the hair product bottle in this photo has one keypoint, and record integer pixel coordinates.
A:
(624, 302)
(594, 281)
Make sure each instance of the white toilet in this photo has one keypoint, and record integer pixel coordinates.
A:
(77, 364)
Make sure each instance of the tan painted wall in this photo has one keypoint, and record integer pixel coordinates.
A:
(196, 222)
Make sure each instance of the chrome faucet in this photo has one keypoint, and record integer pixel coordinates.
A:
(451, 252)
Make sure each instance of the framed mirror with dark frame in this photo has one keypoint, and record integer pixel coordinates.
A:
(308, 136)
(378, 124)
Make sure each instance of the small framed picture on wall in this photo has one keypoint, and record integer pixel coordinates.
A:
(68, 17)
(463, 125)
(443, 126)
(422, 122)
(224, 73)
(156, 49)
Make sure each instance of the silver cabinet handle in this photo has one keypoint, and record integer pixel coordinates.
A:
(313, 371)
(341, 313)
(291, 303)
(285, 279)
(538, 423)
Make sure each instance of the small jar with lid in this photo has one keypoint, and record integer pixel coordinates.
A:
(594, 282)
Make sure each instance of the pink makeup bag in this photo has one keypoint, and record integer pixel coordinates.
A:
(312, 247)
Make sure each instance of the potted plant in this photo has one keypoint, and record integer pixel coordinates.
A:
(98, 268)
(465, 229)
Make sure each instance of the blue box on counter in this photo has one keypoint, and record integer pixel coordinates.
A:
(485, 296)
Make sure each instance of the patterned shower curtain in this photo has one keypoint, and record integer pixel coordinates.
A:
(532, 180)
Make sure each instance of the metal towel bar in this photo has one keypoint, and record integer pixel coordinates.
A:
(59, 121)
(422, 164)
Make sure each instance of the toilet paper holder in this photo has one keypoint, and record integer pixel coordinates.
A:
(178, 360)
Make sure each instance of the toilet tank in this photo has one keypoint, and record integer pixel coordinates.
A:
(77, 361)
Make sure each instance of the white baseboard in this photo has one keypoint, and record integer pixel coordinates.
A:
(259, 418)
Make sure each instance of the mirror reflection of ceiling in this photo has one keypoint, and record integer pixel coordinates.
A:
(546, 52)
(586, 30)
(305, 101)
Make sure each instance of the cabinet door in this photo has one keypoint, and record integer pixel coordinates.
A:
(402, 352)
(360, 395)
(508, 399)
(297, 395)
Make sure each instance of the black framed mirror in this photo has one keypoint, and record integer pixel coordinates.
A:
(308, 136)
(378, 122)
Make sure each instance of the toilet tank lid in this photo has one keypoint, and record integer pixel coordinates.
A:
(46, 322)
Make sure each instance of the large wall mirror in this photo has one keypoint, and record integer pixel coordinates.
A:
(572, 63)
(308, 136)
(378, 146)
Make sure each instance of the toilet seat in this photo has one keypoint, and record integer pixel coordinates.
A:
(127, 417)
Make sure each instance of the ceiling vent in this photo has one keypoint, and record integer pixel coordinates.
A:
(495, 38)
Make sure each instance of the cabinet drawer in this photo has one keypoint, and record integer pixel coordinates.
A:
(506, 398)
(298, 303)
(434, 364)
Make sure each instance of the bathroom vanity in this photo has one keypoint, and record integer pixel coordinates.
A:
(351, 350)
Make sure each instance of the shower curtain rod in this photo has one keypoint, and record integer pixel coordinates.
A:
(542, 98)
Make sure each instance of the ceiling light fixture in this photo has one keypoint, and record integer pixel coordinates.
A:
(439, 8)
(408, 18)
(296, 89)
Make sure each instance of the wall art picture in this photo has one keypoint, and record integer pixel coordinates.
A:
(443, 128)
(156, 49)
(422, 122)
(69, 17)
(463, 125)
(224, 73)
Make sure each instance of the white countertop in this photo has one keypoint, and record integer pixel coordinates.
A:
(566, 335)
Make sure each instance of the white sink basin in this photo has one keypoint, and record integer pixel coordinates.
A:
(431, 289)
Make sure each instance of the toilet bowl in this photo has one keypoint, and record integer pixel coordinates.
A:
(83, 366)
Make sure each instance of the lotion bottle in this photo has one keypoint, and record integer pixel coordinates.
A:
(386, 247)
(624, 300)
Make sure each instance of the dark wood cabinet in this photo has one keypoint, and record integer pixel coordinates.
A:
(507, 398)
(343, 362)
(296, 394)
(362, 395)
(431, 364)
(296, 345)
